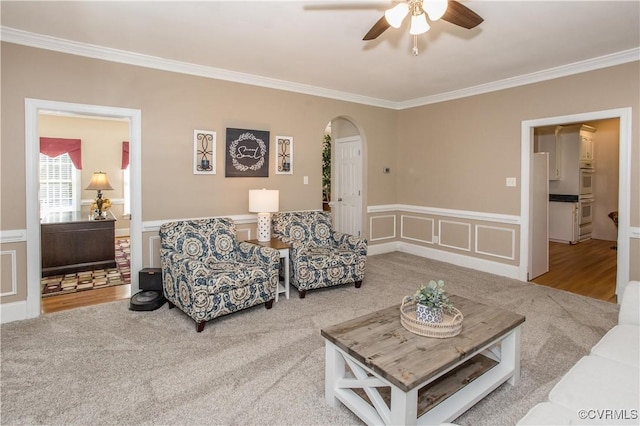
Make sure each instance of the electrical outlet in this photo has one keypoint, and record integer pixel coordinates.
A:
(436, 239)
(511, 181)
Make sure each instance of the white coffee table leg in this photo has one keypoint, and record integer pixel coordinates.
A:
(333, 371)
(510, 348)
(404, 406)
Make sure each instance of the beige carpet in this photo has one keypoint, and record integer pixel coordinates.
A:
(105, 364)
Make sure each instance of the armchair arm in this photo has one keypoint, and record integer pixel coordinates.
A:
(350, 242)
(258, 254)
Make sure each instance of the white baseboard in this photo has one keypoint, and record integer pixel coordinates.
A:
(509, 271)
(15, 311)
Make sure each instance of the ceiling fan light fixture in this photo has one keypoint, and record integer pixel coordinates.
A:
(435, 8)
(396, 14)
(419, 24)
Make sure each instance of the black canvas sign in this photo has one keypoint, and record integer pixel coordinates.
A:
(247, 153)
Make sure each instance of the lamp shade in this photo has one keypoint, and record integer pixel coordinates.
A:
(396, 14)
(99, 182)
(264, 200)
(435, 8)
(419, 24)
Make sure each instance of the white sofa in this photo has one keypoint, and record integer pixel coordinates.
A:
(603, 388)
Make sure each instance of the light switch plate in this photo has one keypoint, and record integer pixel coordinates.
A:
(511, 181)
(306, 180)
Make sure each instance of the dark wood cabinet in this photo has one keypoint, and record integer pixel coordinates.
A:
(71, 242)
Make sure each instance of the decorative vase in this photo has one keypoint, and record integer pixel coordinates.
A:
(428, 314)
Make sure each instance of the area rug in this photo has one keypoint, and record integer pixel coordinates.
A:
(97, 278)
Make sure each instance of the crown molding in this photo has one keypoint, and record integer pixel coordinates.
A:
(26, 38)
(605, 61)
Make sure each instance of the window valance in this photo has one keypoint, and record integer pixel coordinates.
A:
(125, 155)
(53, 147)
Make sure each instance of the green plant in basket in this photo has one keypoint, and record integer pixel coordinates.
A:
(433, 296)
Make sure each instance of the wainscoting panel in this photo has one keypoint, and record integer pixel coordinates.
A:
(414, 228)
(8, 276)
(382, 227)
(495, 241)
(455, 235)
(154, 251)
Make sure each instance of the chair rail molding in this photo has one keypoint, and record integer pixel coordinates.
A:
(13, 236)
(451, 213)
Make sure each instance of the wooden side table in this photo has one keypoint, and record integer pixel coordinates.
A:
(283, 248)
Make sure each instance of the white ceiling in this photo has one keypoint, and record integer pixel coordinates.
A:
(316, 46)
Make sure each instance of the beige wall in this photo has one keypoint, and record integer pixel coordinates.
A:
(173, 105)
(457, 154)
(101, 151)
(452, 155)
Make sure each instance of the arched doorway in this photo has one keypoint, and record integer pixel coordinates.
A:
(347, 183)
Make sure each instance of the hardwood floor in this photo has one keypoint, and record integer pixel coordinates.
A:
(588, 268)
(84, 298)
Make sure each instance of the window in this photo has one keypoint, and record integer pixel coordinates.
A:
(59, 184)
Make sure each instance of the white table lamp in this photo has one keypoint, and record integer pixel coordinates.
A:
(264, 202)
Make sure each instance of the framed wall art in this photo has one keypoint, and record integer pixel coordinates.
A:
(284, 155)
(247, 153)
(204, 152)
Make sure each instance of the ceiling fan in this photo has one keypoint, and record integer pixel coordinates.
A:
(451, 11)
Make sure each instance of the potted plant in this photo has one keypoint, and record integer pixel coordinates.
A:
(431, 302)
(326, 172)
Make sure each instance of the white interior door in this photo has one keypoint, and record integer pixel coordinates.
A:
(347, 193)
(539, 253)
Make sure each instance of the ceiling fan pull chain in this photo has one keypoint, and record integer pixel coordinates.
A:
(415, 45)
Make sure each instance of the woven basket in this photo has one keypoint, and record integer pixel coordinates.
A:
(450, 326)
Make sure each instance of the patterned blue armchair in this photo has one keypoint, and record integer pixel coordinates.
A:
(208, 273)
(319, 256)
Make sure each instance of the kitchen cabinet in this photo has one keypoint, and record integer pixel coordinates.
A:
(563, 222)
(586, 144)
(578, 141)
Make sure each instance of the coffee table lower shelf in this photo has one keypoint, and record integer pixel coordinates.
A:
(438, 400)
(439, 390)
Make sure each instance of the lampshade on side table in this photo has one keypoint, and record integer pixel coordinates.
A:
(264, 202)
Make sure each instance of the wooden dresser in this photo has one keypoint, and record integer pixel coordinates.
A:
(71, 242)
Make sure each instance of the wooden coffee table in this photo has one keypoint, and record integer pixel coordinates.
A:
(387, 375)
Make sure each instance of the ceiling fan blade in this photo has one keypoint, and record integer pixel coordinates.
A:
(377, 29)
(461, 15)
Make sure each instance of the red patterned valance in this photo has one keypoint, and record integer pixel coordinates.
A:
(125, 155)
(53, 147)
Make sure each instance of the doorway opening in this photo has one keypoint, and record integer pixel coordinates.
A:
(581, 236)
(623, 117)
(33, 108)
